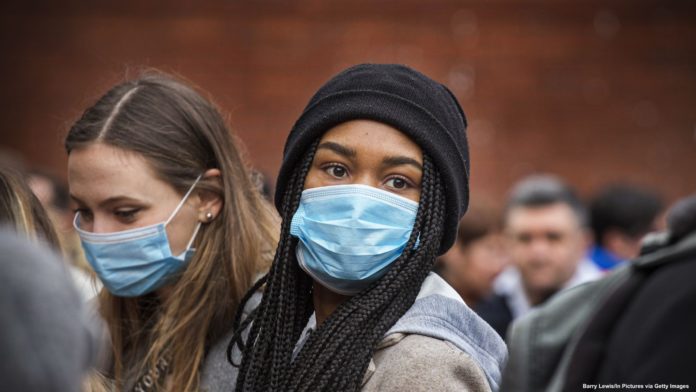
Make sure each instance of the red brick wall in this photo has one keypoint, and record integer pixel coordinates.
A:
(593, 91)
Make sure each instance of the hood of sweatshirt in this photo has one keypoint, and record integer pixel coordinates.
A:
(439, 312)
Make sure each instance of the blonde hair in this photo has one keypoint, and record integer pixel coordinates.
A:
(181, 135)
(22, 210)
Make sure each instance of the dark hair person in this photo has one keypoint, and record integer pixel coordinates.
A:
(620, 216)
(373, 182)
(174, 227)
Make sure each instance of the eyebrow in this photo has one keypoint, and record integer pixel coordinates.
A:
(111, 200)
(339, 149)
(401, 160)
(386, 162)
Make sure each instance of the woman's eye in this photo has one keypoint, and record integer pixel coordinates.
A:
(397, 183)
(126, 214)
(85, 214)
(337, 171)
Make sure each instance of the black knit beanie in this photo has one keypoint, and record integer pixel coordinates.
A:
(405, 99)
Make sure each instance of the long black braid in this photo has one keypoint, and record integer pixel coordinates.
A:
(336, 355)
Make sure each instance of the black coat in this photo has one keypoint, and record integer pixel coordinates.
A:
(645, 332)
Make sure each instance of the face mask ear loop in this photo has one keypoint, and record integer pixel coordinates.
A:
(193, 237)
(76, 221)
(181, 203)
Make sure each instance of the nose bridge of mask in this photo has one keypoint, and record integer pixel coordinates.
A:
(331, 213)
(125, 235)
(351, 191)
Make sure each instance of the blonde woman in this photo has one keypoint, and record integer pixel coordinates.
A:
(174, 227)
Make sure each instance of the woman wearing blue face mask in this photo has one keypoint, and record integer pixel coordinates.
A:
(174, 227)
(373, 182)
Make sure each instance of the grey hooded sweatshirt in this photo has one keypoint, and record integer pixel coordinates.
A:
(439, 344)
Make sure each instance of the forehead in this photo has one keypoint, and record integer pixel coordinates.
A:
(100, 171)
(372, 137)
(555, 217)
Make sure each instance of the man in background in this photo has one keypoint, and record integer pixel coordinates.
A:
(621, 216)
(547, 227)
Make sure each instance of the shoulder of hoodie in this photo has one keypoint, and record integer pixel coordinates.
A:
(416, 362)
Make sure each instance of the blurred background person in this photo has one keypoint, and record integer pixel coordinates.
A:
(549, 239)
(649, 338)
(174, 226)
(634, 326)
(621, 215)
(47, 340)
(479, 254)
(55, 199)
(22, 210)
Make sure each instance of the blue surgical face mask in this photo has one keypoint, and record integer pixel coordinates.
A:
(350, 234)
(135, 262)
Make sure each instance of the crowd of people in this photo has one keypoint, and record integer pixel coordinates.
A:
(174, 272)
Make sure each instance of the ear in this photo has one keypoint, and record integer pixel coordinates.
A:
(210, 203)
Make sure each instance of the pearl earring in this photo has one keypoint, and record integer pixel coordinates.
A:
(208, 216)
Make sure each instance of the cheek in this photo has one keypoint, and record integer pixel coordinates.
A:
(313, 179)
(180, 230)
(413, 194)
(520, 252)
(447, 260)
(567, 253)
(480, 273)
(561, 264)
(456, 258)
(488, 263)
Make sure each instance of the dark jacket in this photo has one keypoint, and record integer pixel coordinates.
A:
(495, 310)
(653, 341)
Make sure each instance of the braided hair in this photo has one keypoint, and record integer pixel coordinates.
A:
(337, 354)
